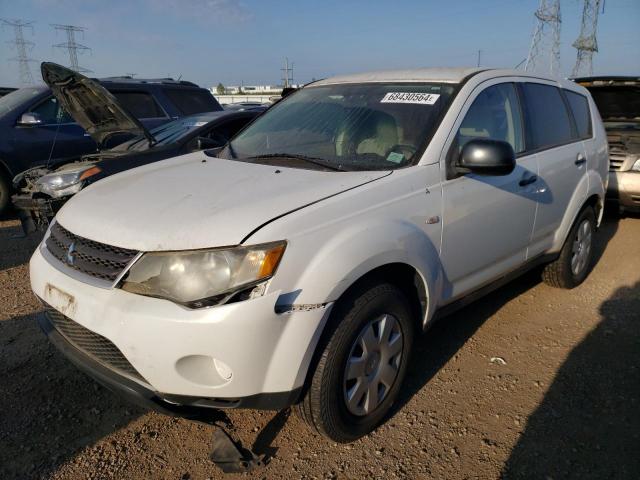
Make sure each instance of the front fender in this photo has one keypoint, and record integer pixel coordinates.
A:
(358, 249)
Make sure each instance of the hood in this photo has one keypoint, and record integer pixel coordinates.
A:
(90, 104)
(617, 102)
(194, 201)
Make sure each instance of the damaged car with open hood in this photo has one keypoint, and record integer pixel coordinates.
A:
(297, 265)
(42, 190)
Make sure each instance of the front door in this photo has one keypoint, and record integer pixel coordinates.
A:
(487, 219)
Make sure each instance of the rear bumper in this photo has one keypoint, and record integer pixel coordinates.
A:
(624, 189)
(178, 405)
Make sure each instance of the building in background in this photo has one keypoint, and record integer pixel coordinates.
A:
(248, 93)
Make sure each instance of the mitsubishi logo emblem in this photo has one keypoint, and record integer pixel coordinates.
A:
(71, 253)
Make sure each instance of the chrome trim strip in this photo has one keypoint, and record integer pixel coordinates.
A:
(126, 269)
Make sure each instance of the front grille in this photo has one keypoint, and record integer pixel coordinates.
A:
(617, 152)
(92, 344)
(95, 259)
(616, 159)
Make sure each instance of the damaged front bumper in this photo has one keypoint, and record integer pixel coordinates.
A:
(36, 213)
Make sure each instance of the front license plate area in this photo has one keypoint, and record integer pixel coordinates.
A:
(60, 300)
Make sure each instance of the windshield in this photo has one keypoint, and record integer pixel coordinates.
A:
(164, 134)
(17, 98)
(346, 127)
(617, 102)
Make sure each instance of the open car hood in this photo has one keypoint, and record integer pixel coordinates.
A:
(90, 104)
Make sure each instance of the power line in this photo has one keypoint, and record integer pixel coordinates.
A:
(287, 73)
(587, 43)
(22, 46)
(72, 46)
(548, 18)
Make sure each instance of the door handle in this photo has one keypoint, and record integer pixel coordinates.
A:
(528, 180)
(580, 160)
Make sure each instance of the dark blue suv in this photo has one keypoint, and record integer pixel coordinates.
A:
(34, 130)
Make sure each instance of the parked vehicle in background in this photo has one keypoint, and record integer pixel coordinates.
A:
(246, 106)
(618, 100)
(36, 131)
(41, 191)
(297, 264)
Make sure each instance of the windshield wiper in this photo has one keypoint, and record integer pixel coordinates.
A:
(312, 160)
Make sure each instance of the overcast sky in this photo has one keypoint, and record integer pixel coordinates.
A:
(234, 41)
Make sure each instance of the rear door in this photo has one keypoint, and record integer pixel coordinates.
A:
(552, 135)
(487, 219)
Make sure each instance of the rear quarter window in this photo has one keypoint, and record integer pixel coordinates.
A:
(548, 120)
(580, 108)
(140, 104)
(191, 101)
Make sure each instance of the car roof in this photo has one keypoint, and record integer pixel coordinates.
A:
(437, 75)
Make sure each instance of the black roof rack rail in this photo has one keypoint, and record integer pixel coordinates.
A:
(129, 79)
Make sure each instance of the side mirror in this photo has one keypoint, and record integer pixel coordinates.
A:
(487, 157)
(205, 143)
(29, 119)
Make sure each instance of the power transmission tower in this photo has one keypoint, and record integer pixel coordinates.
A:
(586, 43)
(22, 46)
(72, 46)
(287, 73)
(548, 18)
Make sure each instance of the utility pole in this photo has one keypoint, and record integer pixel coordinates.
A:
(479, 54)
(548, 15)
(72, 46)
(287, 73)
(587, 43)
(22, 46)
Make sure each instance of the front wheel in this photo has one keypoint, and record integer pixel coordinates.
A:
(362, 365)
(576, 257)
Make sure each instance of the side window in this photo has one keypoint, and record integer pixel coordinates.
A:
(191, 101)
(51, 113)
(547, 116)
(140, 104)
(580, 109)
(495, 115)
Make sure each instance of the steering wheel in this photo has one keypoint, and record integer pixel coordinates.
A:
(406, 150)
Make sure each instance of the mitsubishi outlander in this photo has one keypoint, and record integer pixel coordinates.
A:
(296, 265)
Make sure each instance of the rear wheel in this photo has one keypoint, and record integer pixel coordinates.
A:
(576, 257)
(362, 365)
(5, 194)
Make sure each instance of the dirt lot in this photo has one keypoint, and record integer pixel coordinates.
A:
(566, 404)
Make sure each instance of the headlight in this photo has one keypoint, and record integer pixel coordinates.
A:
(202, 278)
(636, 166)
(65, 182)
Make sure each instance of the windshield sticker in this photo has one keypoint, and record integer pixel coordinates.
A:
(395, 157)
(406, 97)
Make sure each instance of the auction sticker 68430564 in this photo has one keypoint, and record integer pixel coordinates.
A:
(411, 97)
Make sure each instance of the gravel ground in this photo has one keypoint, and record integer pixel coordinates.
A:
(563, 404)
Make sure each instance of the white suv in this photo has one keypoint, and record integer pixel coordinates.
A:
(296, 265)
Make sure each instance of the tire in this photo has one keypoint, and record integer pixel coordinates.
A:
(5, 194)
(357, 347)
(576, 257)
